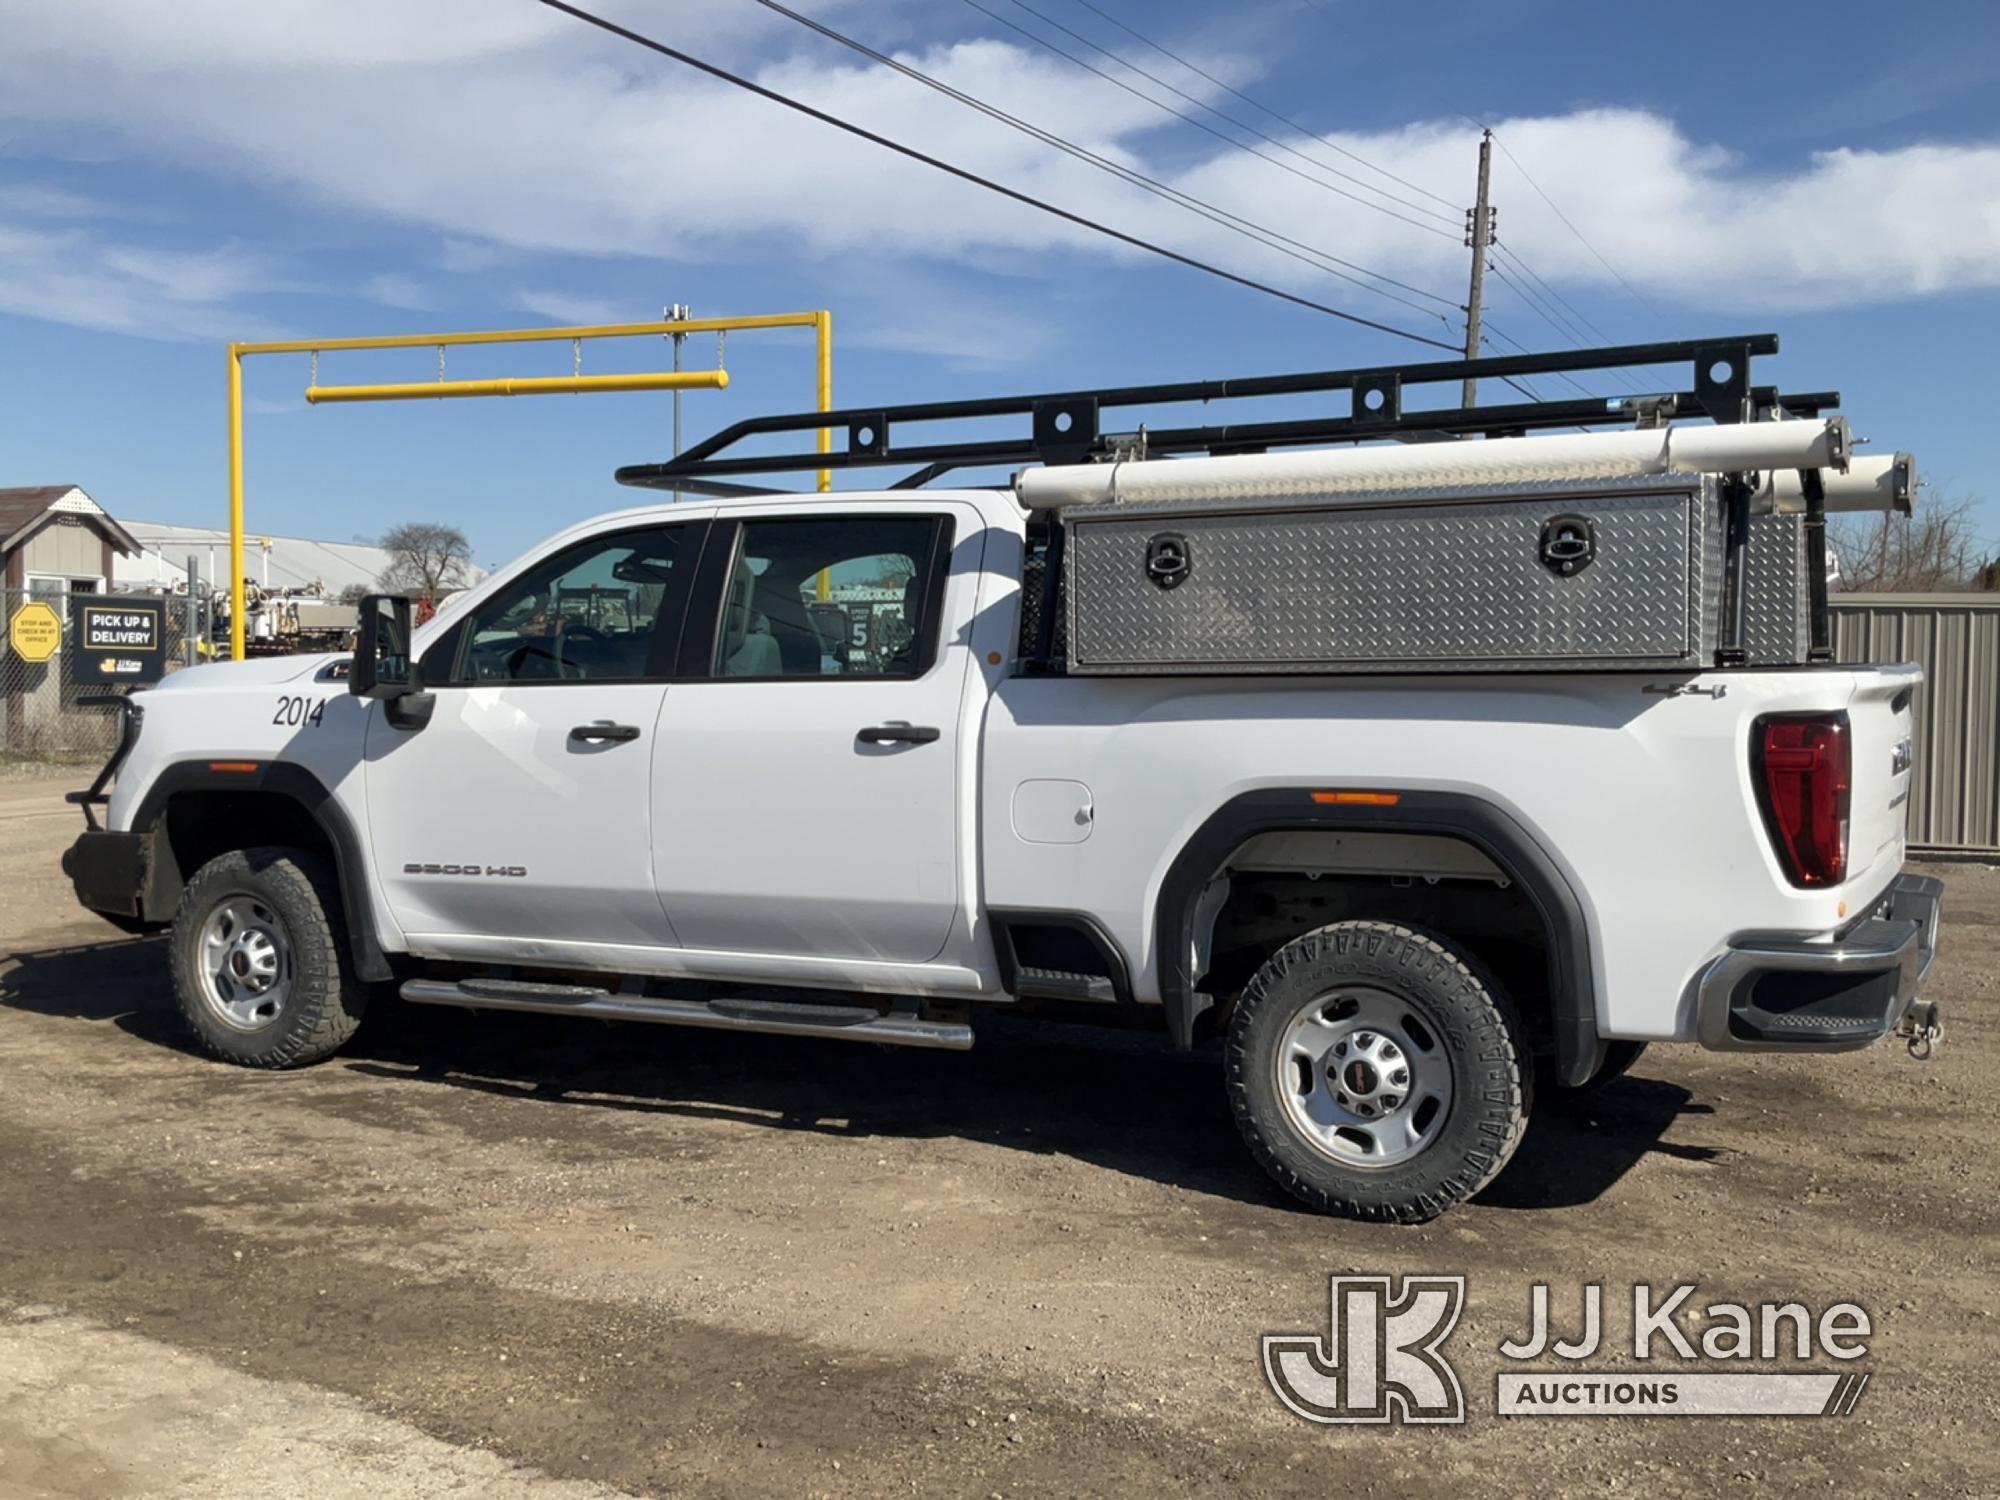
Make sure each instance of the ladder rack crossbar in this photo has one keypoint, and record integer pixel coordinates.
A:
(1067, 426)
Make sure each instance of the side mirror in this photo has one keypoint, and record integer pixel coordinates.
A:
(382, 666)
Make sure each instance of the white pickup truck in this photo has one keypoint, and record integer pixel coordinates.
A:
(787, 763)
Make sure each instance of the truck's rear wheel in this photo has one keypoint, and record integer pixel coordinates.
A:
(1378, 1073)
(258, 962)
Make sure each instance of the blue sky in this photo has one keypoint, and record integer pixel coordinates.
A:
(171, 177)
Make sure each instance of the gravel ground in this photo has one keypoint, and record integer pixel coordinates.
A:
(522, 1256)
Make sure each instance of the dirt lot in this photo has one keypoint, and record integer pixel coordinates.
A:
(504, 1256)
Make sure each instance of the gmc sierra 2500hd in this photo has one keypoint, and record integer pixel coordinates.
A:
(1407, 771)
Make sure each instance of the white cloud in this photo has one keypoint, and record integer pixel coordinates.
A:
(566, 309)
(35, 200)
(513, 129)
(456, 255)
(68, 276)
(394, 290)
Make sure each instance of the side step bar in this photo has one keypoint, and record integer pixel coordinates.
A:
(857, 1023)
(1061, 984)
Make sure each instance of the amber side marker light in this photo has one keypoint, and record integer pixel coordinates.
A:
(238, 767)
(1357, 799)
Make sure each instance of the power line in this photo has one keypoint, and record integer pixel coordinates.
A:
(1582, 239)
(1282, 119)
(1201, 125)
(1320, 260)
(1542, 312)
(966, 175)
(1518, 347)
(1554, 320)
(1206, 107)
(1520, 264)
(1563, 327)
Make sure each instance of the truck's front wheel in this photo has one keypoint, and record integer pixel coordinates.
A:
(1377, 1072)
(257, 959)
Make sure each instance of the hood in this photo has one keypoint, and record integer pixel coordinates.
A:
(251, 673)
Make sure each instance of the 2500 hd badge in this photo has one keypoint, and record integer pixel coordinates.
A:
(515, 871)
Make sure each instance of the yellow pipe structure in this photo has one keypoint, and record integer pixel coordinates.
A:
(551, 385)
(823, 328)
(236, 601)
(820, 322)
(823, 585)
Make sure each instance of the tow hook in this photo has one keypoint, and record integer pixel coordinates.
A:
(1922, 1027)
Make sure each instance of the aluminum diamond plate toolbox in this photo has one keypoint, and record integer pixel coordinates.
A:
(1584, 576)
(1777, 605)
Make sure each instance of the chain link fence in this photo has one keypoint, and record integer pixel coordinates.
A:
(40, 718)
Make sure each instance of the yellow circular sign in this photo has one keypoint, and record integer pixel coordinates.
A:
(36, 631)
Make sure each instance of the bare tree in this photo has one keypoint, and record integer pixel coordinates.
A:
(425, 558)
(1935, 550)
(354, 593)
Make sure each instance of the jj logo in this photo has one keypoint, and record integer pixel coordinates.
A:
(1380, 1360)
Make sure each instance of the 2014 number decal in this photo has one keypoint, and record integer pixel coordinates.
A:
(295, 711)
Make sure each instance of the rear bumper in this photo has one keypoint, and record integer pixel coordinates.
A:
(1781, 994)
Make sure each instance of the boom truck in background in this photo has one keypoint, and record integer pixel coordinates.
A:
(1421, 774)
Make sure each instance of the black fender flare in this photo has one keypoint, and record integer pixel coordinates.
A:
(1459, 815)
(285, 779)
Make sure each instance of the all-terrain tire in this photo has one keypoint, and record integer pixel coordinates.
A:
(292, 898)
(1463, 1021)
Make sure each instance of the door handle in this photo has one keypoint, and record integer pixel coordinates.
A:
(603, 731)
(898, 734)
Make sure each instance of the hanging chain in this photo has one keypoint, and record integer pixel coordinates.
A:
(576, 357)
(312, 380)
(721, 348)
(440, 364)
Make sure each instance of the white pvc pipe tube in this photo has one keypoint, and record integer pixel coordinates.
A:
(1733, 448)
(1880, 482)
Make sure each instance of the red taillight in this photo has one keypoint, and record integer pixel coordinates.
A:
(1802, 768)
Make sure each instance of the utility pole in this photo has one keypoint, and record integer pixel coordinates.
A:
(1479, 235)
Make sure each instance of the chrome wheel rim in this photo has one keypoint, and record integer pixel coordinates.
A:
(245, 963)
(1364, 1078)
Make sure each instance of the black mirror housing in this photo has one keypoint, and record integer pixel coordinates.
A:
(383, 666)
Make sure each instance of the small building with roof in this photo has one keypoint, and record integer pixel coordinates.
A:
(55, 541)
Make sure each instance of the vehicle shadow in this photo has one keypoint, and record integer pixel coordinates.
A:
(1116, 1099)
(122, 980)
(1578, 1146)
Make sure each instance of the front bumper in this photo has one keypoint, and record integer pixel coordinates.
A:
(120, 876)
(1780, 994)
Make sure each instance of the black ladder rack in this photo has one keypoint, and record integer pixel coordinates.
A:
(1067, 427)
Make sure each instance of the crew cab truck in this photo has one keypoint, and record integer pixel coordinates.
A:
(801, 764)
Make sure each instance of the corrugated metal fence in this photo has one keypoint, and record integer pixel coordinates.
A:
(1955, 638)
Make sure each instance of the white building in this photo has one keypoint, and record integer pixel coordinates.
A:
(282, 563)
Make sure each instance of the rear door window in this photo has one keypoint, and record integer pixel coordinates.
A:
(835, 596)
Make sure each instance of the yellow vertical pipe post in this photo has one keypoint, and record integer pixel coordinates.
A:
(823, 327)
(236, 600)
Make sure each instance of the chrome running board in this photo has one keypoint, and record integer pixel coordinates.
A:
(856, 1023)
